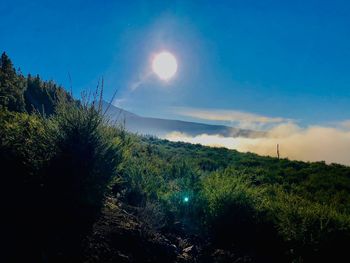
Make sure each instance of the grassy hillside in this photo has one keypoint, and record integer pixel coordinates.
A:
(269, 208)
(77, 189)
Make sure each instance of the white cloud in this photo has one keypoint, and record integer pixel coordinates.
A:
(314, 143)
(240, 118)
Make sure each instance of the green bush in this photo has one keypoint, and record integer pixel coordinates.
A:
(311, 231)
(232, 210)
(25, 149)
(88, 153)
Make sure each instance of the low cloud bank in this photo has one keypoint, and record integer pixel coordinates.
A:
(244, 120)
(314, 143)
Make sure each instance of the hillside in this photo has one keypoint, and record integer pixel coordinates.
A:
(78, 189)
(160, 127)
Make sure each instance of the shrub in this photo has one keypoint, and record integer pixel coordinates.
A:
(182, 199)
(311, 231)
(25, 148)
(230, 206)
(87, 156)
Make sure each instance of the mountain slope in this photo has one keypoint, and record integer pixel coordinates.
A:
(161, 127)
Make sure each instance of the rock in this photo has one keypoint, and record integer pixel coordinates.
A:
(188, 249)
(174, 247)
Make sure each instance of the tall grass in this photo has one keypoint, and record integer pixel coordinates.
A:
(88, 152)
(56, 172)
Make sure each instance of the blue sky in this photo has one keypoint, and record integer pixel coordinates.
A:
(279, 59)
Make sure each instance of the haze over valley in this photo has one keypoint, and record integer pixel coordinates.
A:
(313, 143)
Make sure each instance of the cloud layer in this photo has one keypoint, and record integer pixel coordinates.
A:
(314, 143)
(240, 118)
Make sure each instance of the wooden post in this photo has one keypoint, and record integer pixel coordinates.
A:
(278, 151)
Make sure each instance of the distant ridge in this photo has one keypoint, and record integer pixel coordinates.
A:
(160, 127)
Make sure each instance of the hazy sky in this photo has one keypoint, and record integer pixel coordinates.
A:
(284, 60)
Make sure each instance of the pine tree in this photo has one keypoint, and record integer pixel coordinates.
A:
(42, 96)
(12, 86)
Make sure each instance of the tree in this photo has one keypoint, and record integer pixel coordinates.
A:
(42, 96)
(12, 86)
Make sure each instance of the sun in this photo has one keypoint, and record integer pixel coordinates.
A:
(164, 65)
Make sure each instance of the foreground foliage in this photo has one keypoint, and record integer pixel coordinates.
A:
(55, 174)
(61, 158)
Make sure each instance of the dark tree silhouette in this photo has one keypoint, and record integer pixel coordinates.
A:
(12, 86)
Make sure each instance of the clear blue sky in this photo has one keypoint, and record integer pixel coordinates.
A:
(287, 59)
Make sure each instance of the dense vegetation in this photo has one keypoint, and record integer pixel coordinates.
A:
(62, 162)
(275, 209)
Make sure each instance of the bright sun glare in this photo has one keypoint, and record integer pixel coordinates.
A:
(164, 65)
